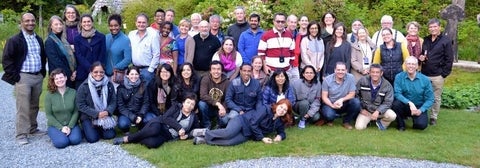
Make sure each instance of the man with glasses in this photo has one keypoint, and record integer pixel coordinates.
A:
(276, 48)
(387, 22)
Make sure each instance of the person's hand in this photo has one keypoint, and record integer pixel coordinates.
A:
(181, 132)
(74, 75)
(102, 114)
(183, 137)
(266, 69)
(374, 116)
(138, 120)
(365, 113)
(416, 112)
(241, 112)
(412, 106)
(277, 138)
(306, 116)
(365, 72)
(422, 58)
(66, 130)
(267, 140)
(338, 103)
(221, 111)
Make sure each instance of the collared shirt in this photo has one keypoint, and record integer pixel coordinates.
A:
(417, 90)
(33, 62)
(277, 48)
(146, 49)
(338, 90)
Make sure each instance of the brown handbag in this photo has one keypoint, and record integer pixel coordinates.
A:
(118, 76)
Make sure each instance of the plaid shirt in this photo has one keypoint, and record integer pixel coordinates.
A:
(33, 62)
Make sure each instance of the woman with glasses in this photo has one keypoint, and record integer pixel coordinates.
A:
(391, 55)
(162, 93)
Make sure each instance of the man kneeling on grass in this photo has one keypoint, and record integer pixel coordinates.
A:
(376, 97)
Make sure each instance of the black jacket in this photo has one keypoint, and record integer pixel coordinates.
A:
(440, 56)
(15, 53)
(152, 92)
(170, 119)
(85, 103)
(131, 103)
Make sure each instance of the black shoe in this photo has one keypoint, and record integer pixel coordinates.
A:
(433, 121)
(118, 141)
(401, 129)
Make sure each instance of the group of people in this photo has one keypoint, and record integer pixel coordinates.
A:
(193, 81)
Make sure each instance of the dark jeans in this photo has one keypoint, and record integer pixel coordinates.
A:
(93, 133)
(153, 135)
(351, 107)
(60, 140)
(403, 111)
(228, 136)
(124, 122)
(208, 112)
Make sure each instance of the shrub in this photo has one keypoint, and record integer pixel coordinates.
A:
(468, 44)
(461, 97)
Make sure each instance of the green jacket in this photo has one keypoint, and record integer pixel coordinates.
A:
(61, 110)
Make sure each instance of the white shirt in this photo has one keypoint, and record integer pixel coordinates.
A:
(146, 50)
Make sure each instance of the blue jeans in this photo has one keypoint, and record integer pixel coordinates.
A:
(146, 75)
(351, 107)
(60, 140)
(93, 133)
(124, 122)
(207, 112)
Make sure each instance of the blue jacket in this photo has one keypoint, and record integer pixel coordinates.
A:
(87, 53)
(270, 96)
(248, 44)
(119, 52)
(243, 98)
(259, 123)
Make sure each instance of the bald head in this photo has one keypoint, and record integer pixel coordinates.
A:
(204, 28)
(28, 23)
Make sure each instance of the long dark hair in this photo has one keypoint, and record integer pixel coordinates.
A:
(193, 78)
(273, 84)
(158, 79)
(334, 39)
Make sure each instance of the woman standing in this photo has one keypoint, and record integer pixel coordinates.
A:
(298, 39)
(255, 126)
(390, 55)
(90, 46)
(413, 41)
(337, 50)
(168, 46)
(119, 51)
(61, 111)
(162, 93)
(96, 101)
(58, 50)
(278, 88)
(132, 101)
(257, 72)
(329, 20)
(71, 16)
(187, 81)
(185, 43)
(362, 53)
(229, 57)
(175, 124)
(312, 47)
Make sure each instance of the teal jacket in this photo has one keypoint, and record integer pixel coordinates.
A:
(119, 52)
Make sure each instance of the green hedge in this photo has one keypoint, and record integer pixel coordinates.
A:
(461, 96)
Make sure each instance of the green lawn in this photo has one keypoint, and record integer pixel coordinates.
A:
(454, 140)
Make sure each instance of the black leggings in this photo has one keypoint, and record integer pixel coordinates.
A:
(152, 135)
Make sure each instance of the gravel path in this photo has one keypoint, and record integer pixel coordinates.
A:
(41, 153)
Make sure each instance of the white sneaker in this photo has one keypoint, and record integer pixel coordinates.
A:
(301, 124)
(199, 132)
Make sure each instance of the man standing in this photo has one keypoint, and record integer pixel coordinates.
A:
(145, 48)
(437, 60)
(170, 17)
(215, 22)
(413, 96)
(338, 95)
(276, 48)
(292, 22)
(376, 97)
(249, 39)
(240, 26)
(205, 46)
(387, 22)
(212, 95)
(24, 62)
(243, 94)
(159, 19)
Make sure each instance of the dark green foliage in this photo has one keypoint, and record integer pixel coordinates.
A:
(461, 96)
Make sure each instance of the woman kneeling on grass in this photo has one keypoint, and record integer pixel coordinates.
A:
(253, 125)
(175, 124)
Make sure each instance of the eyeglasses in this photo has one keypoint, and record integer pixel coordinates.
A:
(98, 72)
(280, 21)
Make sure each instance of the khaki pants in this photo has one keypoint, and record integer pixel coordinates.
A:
(385, 119)
(27, 97)
(437, 84)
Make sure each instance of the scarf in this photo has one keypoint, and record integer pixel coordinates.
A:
(88, 34)
(414, 50)
(99, 101)
(70, 24)
(129, 84)
(227, 61)
(66, 50)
